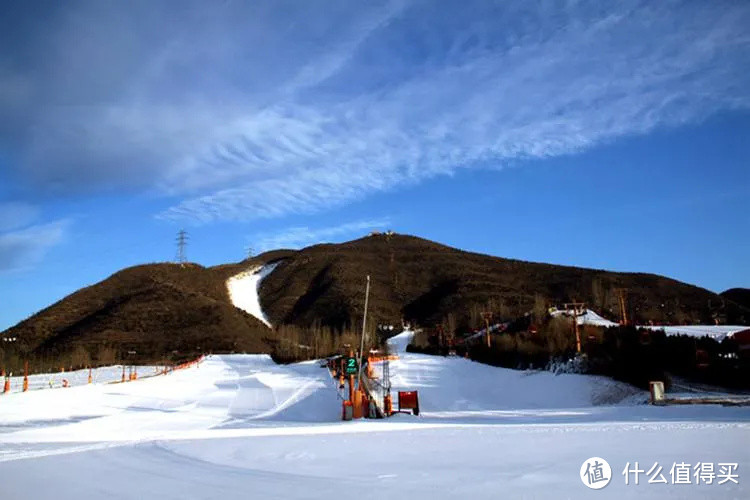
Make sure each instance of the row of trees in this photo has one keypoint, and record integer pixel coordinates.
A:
(12, 359)
(288, 343)
(625, 353)
(293, 343)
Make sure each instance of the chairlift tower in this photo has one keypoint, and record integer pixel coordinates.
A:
(576, 307)
(621, 297)
(487, 315)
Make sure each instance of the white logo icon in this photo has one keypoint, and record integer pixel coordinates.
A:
(596, 473)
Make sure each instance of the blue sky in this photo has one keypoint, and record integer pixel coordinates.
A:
(613, 135)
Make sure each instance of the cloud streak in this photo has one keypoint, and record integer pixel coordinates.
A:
(16, 214)
(26, 247)
(350, 101)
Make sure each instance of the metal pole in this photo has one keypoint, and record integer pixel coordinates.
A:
(362, 339)
(577, 331)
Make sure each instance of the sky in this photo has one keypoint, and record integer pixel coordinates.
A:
(612, 135)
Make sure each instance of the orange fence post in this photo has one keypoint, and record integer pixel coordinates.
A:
(135, 373)
(25, 376)
(123, 374)
(357, 404)
(388, 403)
(90, 379)
(6, 384)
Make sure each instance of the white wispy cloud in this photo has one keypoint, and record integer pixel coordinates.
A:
(584, 83)
(17, 214)
(247, 111)
(332, 61)
(23, 248)
(298, 237)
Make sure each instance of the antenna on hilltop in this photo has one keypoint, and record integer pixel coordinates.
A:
(182, 238)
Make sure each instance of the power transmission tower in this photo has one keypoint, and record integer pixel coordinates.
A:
(182, 238)
(249, 251)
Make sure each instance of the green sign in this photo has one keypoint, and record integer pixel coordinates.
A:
(351, 366)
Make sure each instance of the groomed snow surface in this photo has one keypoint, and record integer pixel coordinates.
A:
(241, 426)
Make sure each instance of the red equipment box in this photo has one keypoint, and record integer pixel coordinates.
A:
(408, 400)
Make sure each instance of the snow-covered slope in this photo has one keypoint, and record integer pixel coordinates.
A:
(103, 375)
(453, 386)
(588, 317)
(219, 392)
(243, 290)
(399, 342)
(717, 332)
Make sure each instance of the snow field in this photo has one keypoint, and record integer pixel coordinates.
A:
(241, 426)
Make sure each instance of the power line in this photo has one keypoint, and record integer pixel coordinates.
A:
(182, 238)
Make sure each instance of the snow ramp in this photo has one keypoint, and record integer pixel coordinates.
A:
(222, 392)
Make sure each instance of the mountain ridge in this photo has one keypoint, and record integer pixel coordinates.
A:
(156, 310)
(441, 274)
(739, 296)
